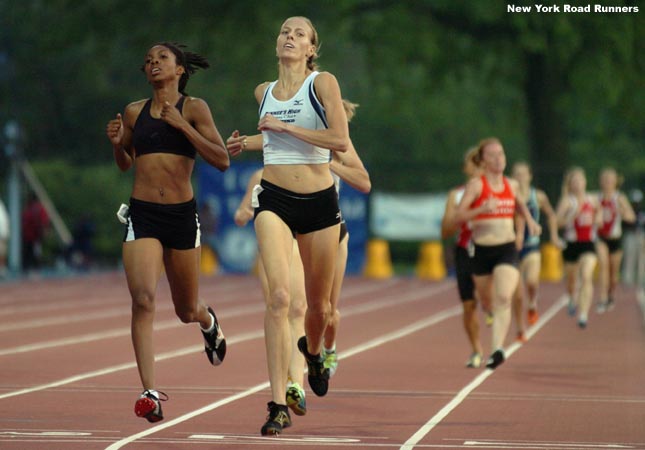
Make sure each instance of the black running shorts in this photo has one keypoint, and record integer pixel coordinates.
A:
(176, 226)
(487, 257)
(574, 250)
(463, 267)
(613, 245)
(303, 213)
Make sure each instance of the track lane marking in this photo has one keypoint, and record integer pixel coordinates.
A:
(372, 343)
(350, 311)
(175, 323)
(129, 365)
(461, 395)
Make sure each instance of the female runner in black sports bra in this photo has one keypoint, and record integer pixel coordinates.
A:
(160, 137)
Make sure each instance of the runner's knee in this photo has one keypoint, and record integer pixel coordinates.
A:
(278, 302)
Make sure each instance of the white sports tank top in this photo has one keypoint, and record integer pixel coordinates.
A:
(304, 110)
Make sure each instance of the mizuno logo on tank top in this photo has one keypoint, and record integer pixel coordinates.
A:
(303, 110)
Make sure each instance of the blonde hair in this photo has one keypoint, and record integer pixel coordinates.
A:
(350, 109)
(568, 176)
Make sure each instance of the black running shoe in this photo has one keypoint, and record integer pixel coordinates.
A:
(215, 342)
(495, 359)
(149, 406)
(318, 374)
(277, 420)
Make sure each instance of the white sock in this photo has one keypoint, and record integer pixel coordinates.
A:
(330, 350)
(154, 392)
(211, 327)
(533, 303)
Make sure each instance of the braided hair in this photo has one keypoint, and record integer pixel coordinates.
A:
(190, 61)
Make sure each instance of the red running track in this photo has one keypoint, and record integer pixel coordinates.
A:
(68, 379)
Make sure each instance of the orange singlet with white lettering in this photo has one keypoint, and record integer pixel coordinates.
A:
(505, 201)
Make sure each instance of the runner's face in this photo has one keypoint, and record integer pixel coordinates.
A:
(494, 158)
(294, 40)
(608, 180)
(161, 63)
(578, 183)
(522, 174)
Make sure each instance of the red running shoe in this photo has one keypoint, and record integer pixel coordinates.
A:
(149, 405)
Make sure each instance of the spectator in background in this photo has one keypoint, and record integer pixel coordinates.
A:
(35, 222)
(4, 237)
(81, 252)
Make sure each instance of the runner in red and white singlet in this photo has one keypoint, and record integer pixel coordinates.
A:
(463, 250)
(615, 209)
(579, 214)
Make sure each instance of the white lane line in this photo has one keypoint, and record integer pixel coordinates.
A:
(241, 338)
(64, 319)
(537, 445)
(234, 312)
(130, 365)
(79, 289)
(386, 338)
(461, 395)
(120, 332)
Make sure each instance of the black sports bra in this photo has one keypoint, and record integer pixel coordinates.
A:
(152, 135)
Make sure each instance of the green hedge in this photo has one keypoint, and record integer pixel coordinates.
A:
(95, 191)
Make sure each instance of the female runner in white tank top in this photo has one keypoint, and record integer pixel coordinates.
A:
(302, 119)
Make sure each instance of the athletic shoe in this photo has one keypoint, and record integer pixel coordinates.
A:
(495, 359)
(571, 308)
(474, 361)
(296, 399)
(489, 318)
(582, 323)
(610, 304)
(521, 337)
(149, 405)
(532, 316)
(318, 374)
(277, 420)
(331, 361)
(215, 342)
(601, 307)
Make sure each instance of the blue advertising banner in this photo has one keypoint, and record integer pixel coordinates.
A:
(353, 206)
(219, 195)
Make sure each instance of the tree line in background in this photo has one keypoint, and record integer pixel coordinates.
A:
(431, 78)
